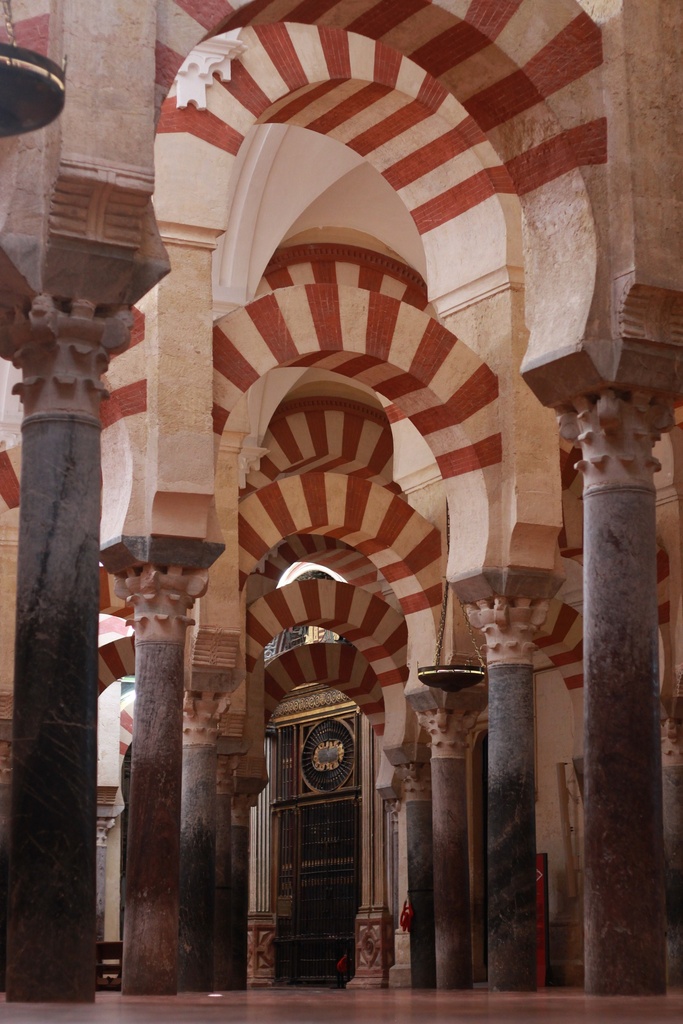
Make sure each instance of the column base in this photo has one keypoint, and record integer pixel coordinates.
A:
(374, 948)
(261, 950)
(400, 975)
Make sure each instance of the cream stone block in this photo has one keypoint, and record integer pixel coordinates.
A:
(415, 137)
(477, 73)
(112, 889)
(9, 538)
(177, 199)
(415, 31)
(354, 304)
(473, 512)
(347, 275)
(258, 63)
(362, 57)
(525, 34)
(306, 42)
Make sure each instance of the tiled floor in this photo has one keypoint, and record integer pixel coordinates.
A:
(330, 1006)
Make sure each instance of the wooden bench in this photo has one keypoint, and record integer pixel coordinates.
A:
(108, 957)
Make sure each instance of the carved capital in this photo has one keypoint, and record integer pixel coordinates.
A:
(416, 777)
(242, 804)
(210, 58)
(249, 460)
(672, 742)
(616, 431)
(161, 597)
(62, 350)
(448, 730)
(508, 625)
(214, 657)
(5, 762)
(104, 826)
(201, 711)
(225, 774)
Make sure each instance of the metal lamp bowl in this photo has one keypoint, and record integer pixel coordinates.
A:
(451, 678)
(31, 90)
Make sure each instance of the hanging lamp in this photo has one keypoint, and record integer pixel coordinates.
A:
(463, 674)
(31, 86)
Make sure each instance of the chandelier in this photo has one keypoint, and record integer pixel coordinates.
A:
(31, 86)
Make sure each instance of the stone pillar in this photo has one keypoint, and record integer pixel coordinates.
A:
(201, 711)
(672, 789)
(241, 814)
(104, 825)
(448, 729)
(416, 777)
(225, 789)
(62, 347)
(5, 816)
(509, 624)
(161, 596)
(624, 864)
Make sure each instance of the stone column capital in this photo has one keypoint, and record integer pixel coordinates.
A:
(201, 711)
(63, 348)
(161, 597)
(225, 774)
(416, 777)
(448, 730)
(508, 625)
(672, 742)
(242, 804)
(616, 430)
(104, 826)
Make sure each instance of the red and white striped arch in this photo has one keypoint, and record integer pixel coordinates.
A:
(405, 547)
(435, 379)
(327, 434)
(561, 642)
(331, 664)
(116, 654)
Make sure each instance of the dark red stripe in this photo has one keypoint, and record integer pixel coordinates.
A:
(488, 452)
(231, 363)
(267, 317)
(202, 124)
(277, 43)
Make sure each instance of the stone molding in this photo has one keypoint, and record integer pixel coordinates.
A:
(201, 712)
(215, 650)
(225, 774)
(242, 804)
(448, 730)
(161, 596)
(62, 350)
(104, 826)
(5, 762)
(650, 313)
(248, 461)
(261, 931)
(508, 625)
(297, 705)
(332, 252)
(374, 941)
(616, 431)
(330, 403)
(672, 742)
(416, 777)
(210, 58)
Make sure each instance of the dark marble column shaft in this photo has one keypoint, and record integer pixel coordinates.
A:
(197, 868)
(103, 827)
(5, 817)
(223, 901)
(672, 789)
(451, 874)
(420, 874)
(624, 874)
(511, 831)
(62, 348)
(241, 807)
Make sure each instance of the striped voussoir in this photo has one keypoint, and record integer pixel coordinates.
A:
(116, 653)
(328, 664)
(452, 111)
(560, 642)
(436, 380)
(327, 434)
(403, 546)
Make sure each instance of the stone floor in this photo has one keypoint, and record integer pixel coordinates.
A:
(330, 1006)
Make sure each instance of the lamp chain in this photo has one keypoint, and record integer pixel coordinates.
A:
(9, 25)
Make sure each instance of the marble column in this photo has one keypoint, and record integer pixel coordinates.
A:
(201, 711)
(448, 729)
(508, 624)
(104, 826)
(5, 809)
(161, 597)
(416, 778)
(672, 790)
(239, 836)
(225, 789)
(62, 347)
(624, 865)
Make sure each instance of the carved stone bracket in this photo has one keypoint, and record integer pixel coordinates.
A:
(63, 349)
(651, 313)
(242, 804)
(416, 777)
(225, 774)
(161, 597)
(211, 58)
(672, 742)
(448, 730)
(201, 711)
(508, 625)
(249, 460)
(104, 826)
(616, 431)
(215, 650)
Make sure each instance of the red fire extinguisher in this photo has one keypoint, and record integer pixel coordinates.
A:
(407, 915)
